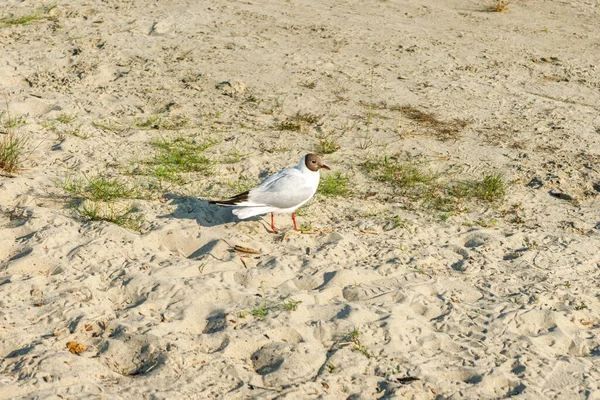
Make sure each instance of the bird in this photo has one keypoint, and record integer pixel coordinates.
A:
(282, 192)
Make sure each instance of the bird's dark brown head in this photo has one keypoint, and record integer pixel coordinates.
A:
(314, 162)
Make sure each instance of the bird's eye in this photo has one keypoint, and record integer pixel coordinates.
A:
(313, 161)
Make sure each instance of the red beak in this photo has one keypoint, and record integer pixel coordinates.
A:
(326, 167)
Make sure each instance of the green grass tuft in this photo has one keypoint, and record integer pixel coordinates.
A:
(97, 198)
(75, 131)
(402, 175)
(291, 304)
(423, 187)
(65, 118)
(353, 335)
(179, 155)
(327, 145)
(126, 217)
(233, 157)
(399, 222)
(490, 188)
(15, 122)
(41, 13)
(298, 122)
(110, 126)
(23, 20)
(98, 188)
(12, 147)
(334, 185)
(260, 311)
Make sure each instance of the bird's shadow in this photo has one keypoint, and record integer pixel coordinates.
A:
(205, 214)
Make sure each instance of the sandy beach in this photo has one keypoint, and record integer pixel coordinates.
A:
(452, 252)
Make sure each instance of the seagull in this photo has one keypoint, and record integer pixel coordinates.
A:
(282, 192)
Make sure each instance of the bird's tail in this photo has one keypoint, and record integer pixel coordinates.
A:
(234, 201)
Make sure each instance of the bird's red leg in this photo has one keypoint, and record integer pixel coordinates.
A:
(273, 224)
(294, 219)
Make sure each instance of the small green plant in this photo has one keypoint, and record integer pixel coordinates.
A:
(425, 188)
(581, 306)
(179, 155)
(330, 367)
(289, 125)
(110, 127)
(97, 198)
(487, 223)
(308, 118)
(399, 222)
(334, 185)
(23, 20)
(327, 144)
(297, 122)
(75, 131)
(490, 188)
(65, 118)
(152, 122)
(12, 143)
(402, 175)
(364, 351)
(15, 122)
(42, 13)
(291, 304)
(366, 138)
(96, 211)
(12, 147)
(233, 157)
(98, 188)
(353, 335)
(305, 227)
(259, 312)
(445, 216)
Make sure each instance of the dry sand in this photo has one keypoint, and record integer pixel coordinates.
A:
(494, 301)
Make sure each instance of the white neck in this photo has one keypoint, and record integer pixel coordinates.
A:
(302, 166)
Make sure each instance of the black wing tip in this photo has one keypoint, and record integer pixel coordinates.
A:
(240, 198)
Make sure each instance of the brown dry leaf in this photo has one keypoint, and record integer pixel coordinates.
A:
(59, 333)
(75, 347)
(242, 249)
(325, 385)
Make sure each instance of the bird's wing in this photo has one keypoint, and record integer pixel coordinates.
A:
(285, 189)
